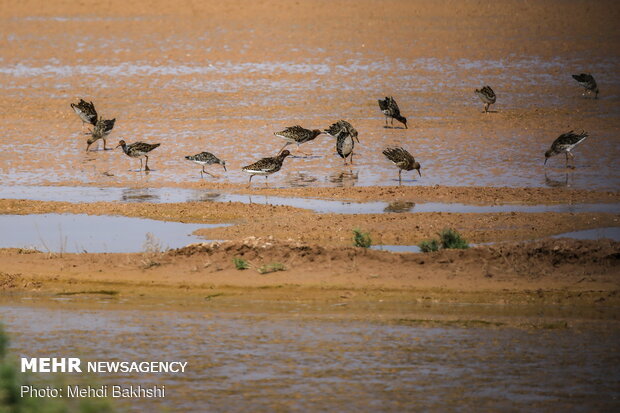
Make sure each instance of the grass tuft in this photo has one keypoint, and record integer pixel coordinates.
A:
(273, 267)
(448, 239)
(361, 239)
(240, 263)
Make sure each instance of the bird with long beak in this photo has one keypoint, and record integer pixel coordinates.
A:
(138, 150)
(403, 159)
(564, 144)
(206, 158)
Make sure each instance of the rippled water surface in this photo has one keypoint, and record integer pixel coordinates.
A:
(240, 361)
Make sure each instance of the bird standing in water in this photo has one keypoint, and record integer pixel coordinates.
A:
(206, 158)
(487, 96)
(102, 129)
(564, 144)
(297, 134)
(403, 160)
(266, 166)
(138, 150)
(587, 81)
(390, 109)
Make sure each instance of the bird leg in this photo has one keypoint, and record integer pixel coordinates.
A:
(146, 164)
(140, 165)
(266, 182)
(285, 145)
(399, 176)
(486, 108)
(351, 158)
(104, 142)
(208, 173)
(299, 150)
(250, 181)
(566, 158)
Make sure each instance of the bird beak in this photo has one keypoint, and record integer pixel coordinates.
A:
(420, 173)
(546, 161)
(224, 166)
(117, 146)
(357, 139)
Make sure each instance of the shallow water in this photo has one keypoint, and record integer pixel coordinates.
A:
(265, 361)
(166, 195)
(94, 233)
(612, 233)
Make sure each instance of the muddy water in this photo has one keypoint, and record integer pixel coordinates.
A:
(225, 88)
(286, 360)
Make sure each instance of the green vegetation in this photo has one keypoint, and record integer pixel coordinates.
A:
(448, 239)
(273, 267)
(11, 401)
(430, 245)
(240, 263)
(361, 239)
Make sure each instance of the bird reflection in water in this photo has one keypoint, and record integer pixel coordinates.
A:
(300, 179)
(559, 181)
(344, 178)
(399, 206)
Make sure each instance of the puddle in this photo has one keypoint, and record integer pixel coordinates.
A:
(91, 233)
(168, 195)
(397, 248)
(612, 233)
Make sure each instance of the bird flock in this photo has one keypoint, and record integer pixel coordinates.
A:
(344, 133)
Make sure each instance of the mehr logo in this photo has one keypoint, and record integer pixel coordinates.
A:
(51, 365)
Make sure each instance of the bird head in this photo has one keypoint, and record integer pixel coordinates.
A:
(404, 121)
(284, 154)
(223, 163)
(120, 143)
(416, 166)
(547, 156)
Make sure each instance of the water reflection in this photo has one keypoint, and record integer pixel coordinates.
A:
(399, 206)
(557, 181)
(344, 179)
(300, 179)
(139, 195)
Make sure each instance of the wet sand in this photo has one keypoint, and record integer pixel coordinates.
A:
(223, 77)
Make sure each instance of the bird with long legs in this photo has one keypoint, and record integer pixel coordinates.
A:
(138, 150)
(403, 160)
(390, 109)
(265, 166)
(206, 158)
(564, 144)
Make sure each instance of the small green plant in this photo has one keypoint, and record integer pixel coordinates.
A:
(240, 263)
(430, 245)
(273, 267)
(451, 239)
(448, 239)
(361, 239)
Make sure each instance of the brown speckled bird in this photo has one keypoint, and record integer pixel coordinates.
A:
(138, 150)
(265, 166)
(403, 160)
